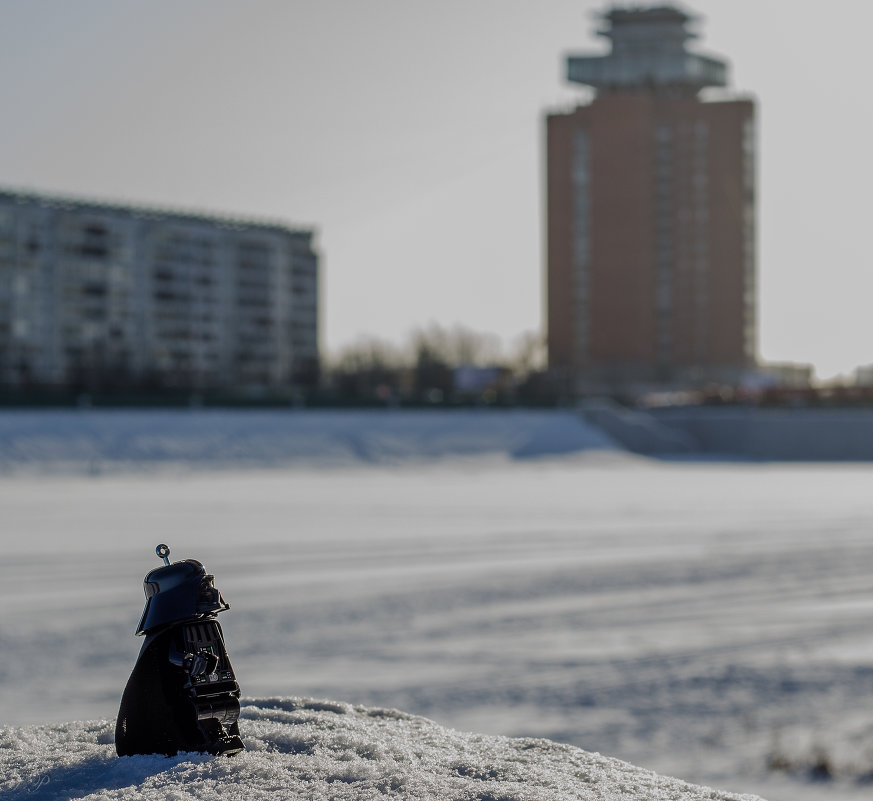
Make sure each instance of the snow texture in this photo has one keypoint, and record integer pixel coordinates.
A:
(85, 440)
(705, 620)
(325, 751)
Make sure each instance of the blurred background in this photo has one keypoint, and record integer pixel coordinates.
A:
(507, 364)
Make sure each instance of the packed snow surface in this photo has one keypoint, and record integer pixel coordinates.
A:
(712, 621)
(325, 751)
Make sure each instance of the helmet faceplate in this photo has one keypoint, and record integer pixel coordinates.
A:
(177, 592)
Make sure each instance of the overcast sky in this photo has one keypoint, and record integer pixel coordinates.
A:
(410, 135)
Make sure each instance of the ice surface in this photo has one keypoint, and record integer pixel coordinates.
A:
(326, 751)
(704, 620)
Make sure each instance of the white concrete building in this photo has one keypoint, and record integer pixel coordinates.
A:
(108, 295)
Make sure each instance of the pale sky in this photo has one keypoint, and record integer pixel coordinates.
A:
(410, 135)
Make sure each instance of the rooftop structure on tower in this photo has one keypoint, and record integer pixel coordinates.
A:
(648, 52)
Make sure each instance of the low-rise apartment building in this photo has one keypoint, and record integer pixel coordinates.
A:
(94, 293)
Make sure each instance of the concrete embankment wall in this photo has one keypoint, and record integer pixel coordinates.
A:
(102, 440)
(773, 434)
(742, 432)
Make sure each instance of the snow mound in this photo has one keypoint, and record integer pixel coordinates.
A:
(98, 440)
(320, 751)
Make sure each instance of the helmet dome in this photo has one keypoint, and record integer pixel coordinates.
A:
(177, 592)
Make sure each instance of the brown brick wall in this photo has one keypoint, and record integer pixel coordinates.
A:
(701, 226)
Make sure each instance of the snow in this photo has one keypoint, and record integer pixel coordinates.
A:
(510, 574)
(132, 439)
(326, 751)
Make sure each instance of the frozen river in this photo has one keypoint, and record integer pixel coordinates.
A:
(704, 620)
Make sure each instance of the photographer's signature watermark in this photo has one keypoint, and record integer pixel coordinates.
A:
(33, 783)
(39, 780)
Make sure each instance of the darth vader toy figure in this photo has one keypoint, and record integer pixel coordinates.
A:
(182, 694)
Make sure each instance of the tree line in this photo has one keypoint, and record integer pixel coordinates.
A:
(439, 365)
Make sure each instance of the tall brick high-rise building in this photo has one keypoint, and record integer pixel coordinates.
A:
(651, 215)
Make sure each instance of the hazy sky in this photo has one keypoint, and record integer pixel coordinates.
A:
(410, 134)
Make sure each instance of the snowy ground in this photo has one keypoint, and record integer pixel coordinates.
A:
(699, 619)
(325, 751)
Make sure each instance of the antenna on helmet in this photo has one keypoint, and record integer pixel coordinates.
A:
(163, 552)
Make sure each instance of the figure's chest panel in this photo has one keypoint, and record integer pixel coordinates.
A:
(206, 636)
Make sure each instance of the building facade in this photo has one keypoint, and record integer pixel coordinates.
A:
(95, 295)
(651, 269)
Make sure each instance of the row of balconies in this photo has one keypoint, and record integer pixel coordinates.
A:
(94, 303)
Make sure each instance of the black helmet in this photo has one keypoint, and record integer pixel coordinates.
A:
(176, 592)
